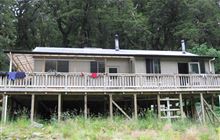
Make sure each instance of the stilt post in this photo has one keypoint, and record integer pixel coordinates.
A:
(202, 107)
(11, 61)
(158, 106)
(85, 106)
(59, 107)
(5, 106)
(135, 106)
(32, 107)
(110, 106)
(213, 105)
(181, 105)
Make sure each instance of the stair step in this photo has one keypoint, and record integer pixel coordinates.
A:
(169, 99)
(170, 117)
(173, 109)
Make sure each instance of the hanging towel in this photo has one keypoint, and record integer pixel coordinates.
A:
(20, 75)
(12, 75)
(94, 75)
(16, 75)
(3, 74)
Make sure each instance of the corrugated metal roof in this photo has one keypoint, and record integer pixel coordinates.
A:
(100, 51)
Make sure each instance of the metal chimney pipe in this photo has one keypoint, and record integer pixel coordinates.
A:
(117, 42)
(183, 46)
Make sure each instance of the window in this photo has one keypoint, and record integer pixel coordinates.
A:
(153, 66)
(202, 66)
(56, 66)
(113, 70)
(97, 66)
(194, 67)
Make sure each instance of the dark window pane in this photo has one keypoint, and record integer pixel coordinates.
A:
(153, 66)
(202, 66)
(149, 66)
(194, 68)
(156, 65)
(113, 70)
(50, 65)
(63, 66)
(93, 66)
(101, 66)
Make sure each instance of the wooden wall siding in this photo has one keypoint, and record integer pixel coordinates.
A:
(84, 81)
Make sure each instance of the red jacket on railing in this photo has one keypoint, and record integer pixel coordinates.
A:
(94, 75)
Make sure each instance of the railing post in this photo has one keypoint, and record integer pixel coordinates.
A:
(175, 82)
(46, 80)
(158, 81)
(123, 81)
(66, 81)
(190, 81)
(27, 75)
(104, 78)
(85, 82)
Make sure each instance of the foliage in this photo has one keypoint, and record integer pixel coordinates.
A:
(141, 24)
(204, 50)
(99, 128)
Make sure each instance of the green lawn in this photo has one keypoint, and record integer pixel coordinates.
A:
(78, 128)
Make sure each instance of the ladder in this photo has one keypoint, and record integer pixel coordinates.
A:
(170, 108)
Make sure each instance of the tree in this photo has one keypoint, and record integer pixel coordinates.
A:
(7, 30)
(66, 14)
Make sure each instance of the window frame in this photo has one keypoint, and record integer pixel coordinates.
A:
(56, 65)
(193, 63)
(97, 67)
(151, 62)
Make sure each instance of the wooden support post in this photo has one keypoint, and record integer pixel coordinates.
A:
(135, 106)
(213, 106)
(110, 106)
(59, 107)
(85, 106)
(213, 102)
(3, 106)
(202, 107)
(11, 59)
(32, 107)
(4, 110)
(181, 105)
(158, 106)
(168, 109)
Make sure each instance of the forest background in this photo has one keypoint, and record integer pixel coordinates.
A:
(140, 24)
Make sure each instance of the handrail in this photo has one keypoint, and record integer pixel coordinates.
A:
(112, 81)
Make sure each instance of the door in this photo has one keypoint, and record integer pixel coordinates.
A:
(183, 68)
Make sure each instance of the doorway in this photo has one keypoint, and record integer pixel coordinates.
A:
(183, 68)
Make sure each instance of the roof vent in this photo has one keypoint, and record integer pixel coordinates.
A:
(116, 42)
(183, 46)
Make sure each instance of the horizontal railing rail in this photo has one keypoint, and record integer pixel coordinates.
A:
(112, 81)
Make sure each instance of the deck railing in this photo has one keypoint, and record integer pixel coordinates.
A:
(112, 81)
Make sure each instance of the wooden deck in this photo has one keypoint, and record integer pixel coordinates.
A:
(84, 82)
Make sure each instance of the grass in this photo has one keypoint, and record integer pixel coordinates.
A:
(99, 128)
